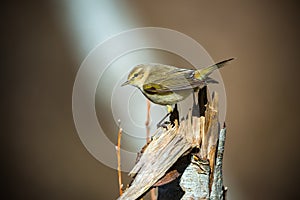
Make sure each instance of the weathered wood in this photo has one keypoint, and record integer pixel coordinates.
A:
(199, 177)
(195, 180)
(163, 151)
(212, 128)
(202, 179)
(218, 191)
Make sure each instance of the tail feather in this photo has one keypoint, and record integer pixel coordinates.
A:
(222, 63)
(204, 73)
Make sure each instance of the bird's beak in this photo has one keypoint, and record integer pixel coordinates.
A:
(125, 83)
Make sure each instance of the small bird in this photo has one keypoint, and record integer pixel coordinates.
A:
(168, 85)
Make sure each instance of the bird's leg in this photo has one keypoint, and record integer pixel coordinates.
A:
(174, 115)
(161, 123)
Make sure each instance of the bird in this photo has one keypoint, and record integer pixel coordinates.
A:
(167, 85)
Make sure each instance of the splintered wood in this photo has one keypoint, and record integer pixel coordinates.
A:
(163, 151)
(202, 179)
(198, 178)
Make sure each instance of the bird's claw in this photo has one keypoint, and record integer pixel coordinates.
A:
(163, 125)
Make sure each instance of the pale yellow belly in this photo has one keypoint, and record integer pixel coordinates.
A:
(169, 99)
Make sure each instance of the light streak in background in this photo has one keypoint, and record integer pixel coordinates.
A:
(91, 22)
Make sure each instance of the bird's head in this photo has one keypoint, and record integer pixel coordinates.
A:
(137, 76)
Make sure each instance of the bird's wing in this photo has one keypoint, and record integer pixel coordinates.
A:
(173, 80)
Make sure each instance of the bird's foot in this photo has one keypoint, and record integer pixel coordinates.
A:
(164, 124)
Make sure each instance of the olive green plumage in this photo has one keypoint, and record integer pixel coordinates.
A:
(167, 85)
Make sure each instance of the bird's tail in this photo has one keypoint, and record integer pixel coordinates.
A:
(202, 74)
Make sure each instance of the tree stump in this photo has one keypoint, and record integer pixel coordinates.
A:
(184, 161)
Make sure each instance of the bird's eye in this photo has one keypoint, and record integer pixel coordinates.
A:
(135, 75)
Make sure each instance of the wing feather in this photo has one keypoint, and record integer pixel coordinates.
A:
(171, 79)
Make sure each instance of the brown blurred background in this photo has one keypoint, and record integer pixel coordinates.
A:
(43, 155)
